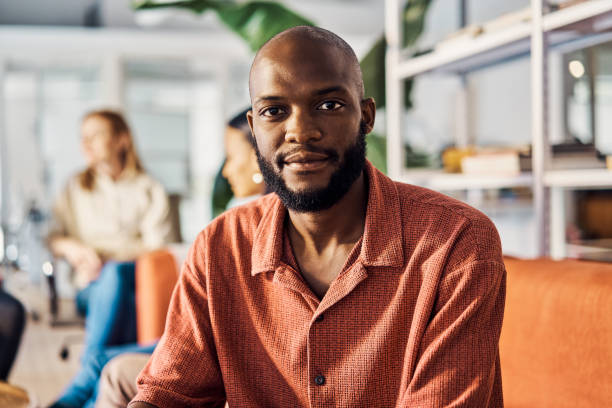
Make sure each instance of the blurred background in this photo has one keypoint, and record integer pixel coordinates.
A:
(470, 103)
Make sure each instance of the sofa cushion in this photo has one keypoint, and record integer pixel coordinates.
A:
(556, 340)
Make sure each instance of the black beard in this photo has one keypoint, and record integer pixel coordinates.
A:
(351, 167)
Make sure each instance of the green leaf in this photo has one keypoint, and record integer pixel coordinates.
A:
(257, 22)
(254, 21)
(413, 20)
(373, 71)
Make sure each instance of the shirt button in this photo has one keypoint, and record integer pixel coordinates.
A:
(319, 379)
(319, 318)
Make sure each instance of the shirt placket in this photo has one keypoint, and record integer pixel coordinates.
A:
(323, 329)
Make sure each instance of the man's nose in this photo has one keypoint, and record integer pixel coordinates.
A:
(301, 127)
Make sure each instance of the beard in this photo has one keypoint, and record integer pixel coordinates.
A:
(314, 200)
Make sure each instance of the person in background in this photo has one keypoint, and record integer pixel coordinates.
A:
(106, 217)
(117, 384)
(241, 168)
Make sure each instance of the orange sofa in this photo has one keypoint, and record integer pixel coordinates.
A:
(156, 275)
(556, 340)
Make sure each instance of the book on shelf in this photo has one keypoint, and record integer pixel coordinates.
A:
(500, 163)
(504, 161)
(570, 156)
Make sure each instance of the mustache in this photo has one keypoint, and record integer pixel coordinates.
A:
(281, 156)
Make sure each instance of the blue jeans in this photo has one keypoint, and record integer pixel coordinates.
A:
(83, 390)
(110, 320)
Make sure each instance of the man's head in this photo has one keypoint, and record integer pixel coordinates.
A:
(309, 117)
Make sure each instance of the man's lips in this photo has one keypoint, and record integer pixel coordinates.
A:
(306, 161)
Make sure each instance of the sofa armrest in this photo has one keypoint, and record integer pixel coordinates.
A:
(156, 276)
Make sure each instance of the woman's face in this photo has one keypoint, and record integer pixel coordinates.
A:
(97, 141)
(241, 164)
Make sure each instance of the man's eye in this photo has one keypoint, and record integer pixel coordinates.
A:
(330, 105)
(272, 111)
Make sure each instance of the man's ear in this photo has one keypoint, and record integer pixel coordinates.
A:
(249, 116)
(368, 113)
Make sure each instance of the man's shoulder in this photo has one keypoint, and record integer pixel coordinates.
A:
(437, 204)
(446, 221)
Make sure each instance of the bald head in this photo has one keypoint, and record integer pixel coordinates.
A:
(293, 42)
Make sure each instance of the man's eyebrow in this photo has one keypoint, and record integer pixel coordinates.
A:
(331, 89)
(267, 98)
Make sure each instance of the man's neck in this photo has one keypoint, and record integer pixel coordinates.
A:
(341, 224)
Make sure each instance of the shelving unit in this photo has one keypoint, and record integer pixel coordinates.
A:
(574, 27)
(439, 180)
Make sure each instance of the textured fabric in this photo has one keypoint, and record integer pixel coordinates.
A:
(120, 219)
(556, 341)
(412, 320)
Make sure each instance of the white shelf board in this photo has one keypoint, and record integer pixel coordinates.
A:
(439, 180)
(513, 41)
(582, 178)
(577, 14)
(479, 50)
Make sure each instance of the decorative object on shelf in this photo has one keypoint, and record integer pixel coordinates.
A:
(452, 157)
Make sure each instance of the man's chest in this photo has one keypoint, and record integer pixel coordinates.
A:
(357, 334)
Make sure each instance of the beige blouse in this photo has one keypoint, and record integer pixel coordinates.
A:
(120, 218)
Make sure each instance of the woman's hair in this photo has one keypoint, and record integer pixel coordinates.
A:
(128, 158)
(240, 123)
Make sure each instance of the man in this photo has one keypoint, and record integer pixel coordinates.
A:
(343, 288)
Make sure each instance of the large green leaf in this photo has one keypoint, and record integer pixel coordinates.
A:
(413, 20)
(254, 21)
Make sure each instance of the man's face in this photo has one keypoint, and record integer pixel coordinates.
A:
(308, 120)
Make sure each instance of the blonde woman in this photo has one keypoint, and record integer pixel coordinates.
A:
(107, 216)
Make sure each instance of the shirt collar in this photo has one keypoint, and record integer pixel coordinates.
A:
(379, 247)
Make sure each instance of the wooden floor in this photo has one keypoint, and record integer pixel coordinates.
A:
(38, 368)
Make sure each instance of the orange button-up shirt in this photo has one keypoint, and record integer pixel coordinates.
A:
(412, 320)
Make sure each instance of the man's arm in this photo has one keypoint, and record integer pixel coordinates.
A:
(458, 358)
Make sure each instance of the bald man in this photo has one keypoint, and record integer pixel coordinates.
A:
(342, 288)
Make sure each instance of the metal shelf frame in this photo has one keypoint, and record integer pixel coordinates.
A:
(573, 27)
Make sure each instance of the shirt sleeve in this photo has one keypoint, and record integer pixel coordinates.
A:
(459, 353)
(184, 370)
(156, 226)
